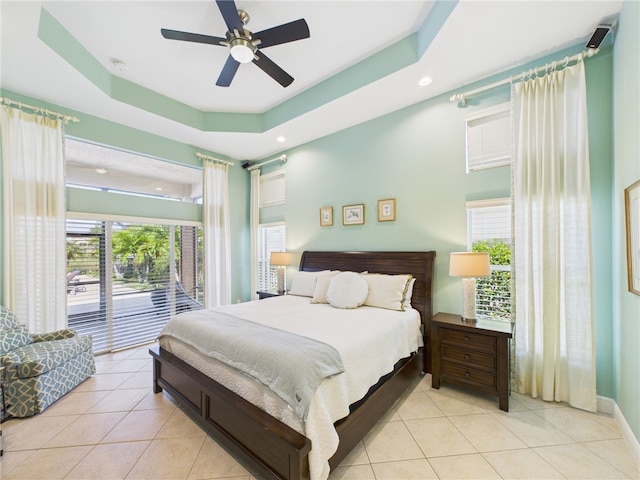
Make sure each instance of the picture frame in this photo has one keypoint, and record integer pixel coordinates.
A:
(353, 214)
(632, 221)
(326, 216)
(387, 210)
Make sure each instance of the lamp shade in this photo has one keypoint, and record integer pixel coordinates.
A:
(469, 264)
(280, 258)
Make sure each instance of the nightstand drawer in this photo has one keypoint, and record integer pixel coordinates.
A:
(468, 339)
(476, 377)
(470, 357)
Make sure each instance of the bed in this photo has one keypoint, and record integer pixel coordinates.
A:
(273, 446)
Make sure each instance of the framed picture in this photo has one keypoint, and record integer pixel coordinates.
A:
(326, 216)
(387, 210)
(353, 214)
(632, 218)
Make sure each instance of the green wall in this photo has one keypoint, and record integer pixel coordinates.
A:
(417, 156)
(626, 306)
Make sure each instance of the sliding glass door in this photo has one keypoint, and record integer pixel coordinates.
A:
(126, 279)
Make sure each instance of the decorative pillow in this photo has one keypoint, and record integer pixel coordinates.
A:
(304, 283)
(14, 338)
(347, 290)
(8, 320)
(322, 285)
(387, 291)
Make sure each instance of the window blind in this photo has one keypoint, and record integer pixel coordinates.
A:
(125, 279)
(488, 137)
(272, 189)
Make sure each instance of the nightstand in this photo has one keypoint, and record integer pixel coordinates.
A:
(267, 294)
(474, 355)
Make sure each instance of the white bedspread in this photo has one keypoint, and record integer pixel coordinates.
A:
(370, 341)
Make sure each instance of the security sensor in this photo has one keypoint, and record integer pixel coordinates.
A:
(598, 36)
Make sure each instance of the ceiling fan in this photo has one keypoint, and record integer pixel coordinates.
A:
(245, 46)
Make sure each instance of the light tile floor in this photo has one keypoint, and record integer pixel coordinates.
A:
(113, 427)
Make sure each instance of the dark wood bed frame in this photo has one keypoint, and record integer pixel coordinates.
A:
(269, 445)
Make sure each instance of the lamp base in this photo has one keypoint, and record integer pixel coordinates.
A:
(280, 280)
(469, 299)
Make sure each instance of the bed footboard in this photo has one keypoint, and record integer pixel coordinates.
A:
(272, 447)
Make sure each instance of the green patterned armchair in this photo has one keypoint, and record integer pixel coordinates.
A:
(40, 368)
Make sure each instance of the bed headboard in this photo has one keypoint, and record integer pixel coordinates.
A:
(418, 264)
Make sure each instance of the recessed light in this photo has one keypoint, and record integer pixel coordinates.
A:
(280, 139)
(159, 189)
(424, 81)
(101, 170)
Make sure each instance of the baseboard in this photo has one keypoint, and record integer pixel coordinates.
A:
(605, 405)
(610, 407)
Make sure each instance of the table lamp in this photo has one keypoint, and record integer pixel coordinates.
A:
(280, 260)
(469, 266)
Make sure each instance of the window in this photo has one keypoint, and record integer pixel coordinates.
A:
(489, 138)
(271, 238)
(126, 279)
(272, 189)
(489, 227)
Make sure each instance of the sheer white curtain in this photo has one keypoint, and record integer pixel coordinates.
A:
(555, 357)
(254, 219)
(34, 258)
(217, 254)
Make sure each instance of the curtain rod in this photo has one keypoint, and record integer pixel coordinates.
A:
(202, 156)
(247, 166)
(461, 98)
(38, 110)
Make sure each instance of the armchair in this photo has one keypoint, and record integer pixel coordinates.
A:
(40, 368)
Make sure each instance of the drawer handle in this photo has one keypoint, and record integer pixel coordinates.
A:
(466, 339)
(466, 356)
(467, 374)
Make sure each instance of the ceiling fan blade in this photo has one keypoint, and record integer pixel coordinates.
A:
(271, 69)
(191, 37)
(287, 32)
(228, 72)
(229, 12)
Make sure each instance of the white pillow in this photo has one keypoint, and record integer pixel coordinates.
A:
(322, 285)
(347, 290)
(407, 298)
(304, 283)
(387, 291)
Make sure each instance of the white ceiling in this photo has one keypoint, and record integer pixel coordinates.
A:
(478, 39)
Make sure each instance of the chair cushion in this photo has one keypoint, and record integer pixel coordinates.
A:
(38, 358)
(14, 338)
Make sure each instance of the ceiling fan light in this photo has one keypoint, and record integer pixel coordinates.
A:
(242, 50)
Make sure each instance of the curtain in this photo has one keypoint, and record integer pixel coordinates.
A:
(33, 186)
(217, 254)
(555, 357)
(254, 219)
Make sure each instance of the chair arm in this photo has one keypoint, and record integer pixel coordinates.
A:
(48, 337)
(9, 358)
